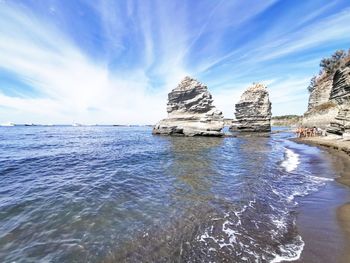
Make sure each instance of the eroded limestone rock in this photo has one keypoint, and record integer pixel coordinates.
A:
(191, 112)
(253, 111)
(341, 94)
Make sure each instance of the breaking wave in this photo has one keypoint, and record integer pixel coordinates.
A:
(291, 160)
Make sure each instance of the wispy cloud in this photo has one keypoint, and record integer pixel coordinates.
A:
(72, 83)
(115, 61)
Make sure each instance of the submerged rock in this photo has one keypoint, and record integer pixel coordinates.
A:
(191, 112)
(253, 111)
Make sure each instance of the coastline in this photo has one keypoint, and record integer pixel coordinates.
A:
(339, 152)
(334, 147)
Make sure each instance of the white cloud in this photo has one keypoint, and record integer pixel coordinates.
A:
(75, 88)
(72, 87)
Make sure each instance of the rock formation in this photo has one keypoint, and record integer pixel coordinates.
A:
(329, 99)
(253, 111)
(321, 91)
(341, 86)
(321, 111)
(190, 112)
(340, 94)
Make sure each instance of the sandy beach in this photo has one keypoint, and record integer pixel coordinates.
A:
(339, 151)
(336, 147)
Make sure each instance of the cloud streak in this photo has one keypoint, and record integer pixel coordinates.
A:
(115, 62)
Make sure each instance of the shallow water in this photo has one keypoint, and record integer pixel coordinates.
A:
(105, 194)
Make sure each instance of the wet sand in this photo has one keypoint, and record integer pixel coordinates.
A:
(330, 234)
(338, 148)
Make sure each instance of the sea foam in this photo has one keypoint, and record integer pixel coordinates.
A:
(291, 252)
(291, 160)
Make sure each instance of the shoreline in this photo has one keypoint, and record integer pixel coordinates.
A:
(339, 152)
(334, 147)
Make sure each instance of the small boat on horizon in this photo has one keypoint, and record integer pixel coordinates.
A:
(7, 124)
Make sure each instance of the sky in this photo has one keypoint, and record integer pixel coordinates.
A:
(114, 62)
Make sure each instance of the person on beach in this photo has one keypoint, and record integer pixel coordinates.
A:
(306, 132)
(298, 132)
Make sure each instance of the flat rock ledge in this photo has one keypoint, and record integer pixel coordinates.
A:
(253, 111)
(191, 112)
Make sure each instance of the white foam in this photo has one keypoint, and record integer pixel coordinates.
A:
(280, 223)
(291, 161)
(291, 252)
(320, 179)
(229, 232)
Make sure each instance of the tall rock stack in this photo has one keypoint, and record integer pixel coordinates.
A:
(253, 111)
(340, 94)
(190, 112)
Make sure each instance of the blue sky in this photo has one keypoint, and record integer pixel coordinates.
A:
(64, 61)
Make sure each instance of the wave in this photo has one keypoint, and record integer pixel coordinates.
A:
(290, 252)
(291, 161)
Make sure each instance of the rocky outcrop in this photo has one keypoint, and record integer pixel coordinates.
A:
(341, 95)
(329, 101)
(341, 124)
(320, 116)
(253, 111)
(341, 86)
(191, 112)
(320, 111)
(321, 91)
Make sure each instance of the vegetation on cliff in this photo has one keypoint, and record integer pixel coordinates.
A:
(329, 67)
(286, 120)
(286, 117)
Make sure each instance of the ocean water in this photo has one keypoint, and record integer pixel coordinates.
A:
(119, 194)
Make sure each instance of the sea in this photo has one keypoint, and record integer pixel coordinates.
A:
(121, 194)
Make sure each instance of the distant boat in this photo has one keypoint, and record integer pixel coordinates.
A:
(29, 124)
(8, 124)
(77, 125)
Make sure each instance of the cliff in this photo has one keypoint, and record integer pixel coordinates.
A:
(191, 112)
(328, 105)
(321, 92)
(321, 111)
(253, 111)
(340, 94)
(320, 116)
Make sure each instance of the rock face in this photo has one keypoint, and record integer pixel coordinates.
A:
(329, 102)
(341, 86)
(320, 116)
(320, 110)
(253, 111)
(321, 92)
(340, 94)
(190, 112)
